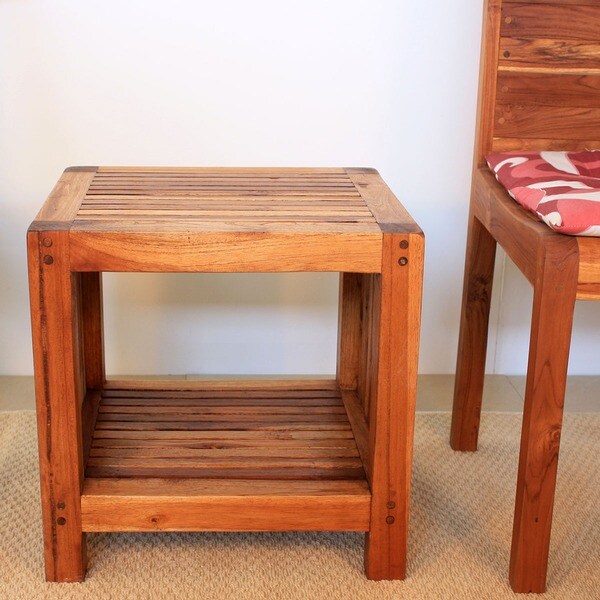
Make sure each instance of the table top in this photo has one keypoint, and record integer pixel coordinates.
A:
(224, 199)
(223, 219)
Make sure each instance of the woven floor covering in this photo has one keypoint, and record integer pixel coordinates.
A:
(460, 530)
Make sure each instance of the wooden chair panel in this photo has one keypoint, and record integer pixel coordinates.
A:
(548, 85)
(548, 89)
(559, 21)
(589, 269)
(567, 55)
(531, 121)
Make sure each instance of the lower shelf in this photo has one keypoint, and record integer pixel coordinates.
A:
(224, 456)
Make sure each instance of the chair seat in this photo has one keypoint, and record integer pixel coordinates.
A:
(561, 188)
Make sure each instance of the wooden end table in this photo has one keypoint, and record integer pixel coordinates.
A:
(225, 456)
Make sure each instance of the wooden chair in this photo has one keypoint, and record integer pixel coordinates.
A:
(539, 90)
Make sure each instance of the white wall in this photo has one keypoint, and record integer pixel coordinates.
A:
(382, 83)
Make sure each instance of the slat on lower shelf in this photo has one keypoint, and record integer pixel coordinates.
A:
(290, 430)
(224, 456)
(224, 505)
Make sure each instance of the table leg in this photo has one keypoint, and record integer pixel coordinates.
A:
(60, 386)
(392, 411)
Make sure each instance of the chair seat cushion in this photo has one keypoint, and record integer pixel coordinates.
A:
(562, 188)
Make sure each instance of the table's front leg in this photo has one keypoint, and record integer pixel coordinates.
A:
(60, 386)
(392, 410)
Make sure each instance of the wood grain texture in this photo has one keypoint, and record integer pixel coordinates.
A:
(522, 144)
(180, 219)
(548, 89)
(62, 204)
(484, 132)
(360, 429)
(53, 296)
(349, 330)
(513, 227)
(92, 329)
(390, 215)
(554, 293)
(561, 21)
(279, 478)
(337, 512)
(230, 455)
(588, 287)
(393, 409)
(259, 448)
(224, 252)
(263, 387)
(551, 56)
(473, 335)
(225, 505)
(539, 90)
(526, 121)
(369, 350)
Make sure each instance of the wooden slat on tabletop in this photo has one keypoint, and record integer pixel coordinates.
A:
(248, 196)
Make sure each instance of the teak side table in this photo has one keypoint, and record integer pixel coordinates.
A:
(225, 456)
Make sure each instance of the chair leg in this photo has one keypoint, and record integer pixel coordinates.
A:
(392, 411)
(554, 300)
(60, 386)
(472, 344)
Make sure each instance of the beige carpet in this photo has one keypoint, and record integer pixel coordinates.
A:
(459, 544)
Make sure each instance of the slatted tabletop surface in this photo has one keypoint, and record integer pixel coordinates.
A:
(204, 195)
(211, 219)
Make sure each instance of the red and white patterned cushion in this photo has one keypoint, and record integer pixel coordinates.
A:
(562, 188)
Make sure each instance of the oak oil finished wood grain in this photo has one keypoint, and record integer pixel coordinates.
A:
(551, 21)
(539, 90)
(522, 144)
(295, 466)
(224, 251)
(484, 131)
(230, 455)
(64, 201)
(121, 417)
(548, 73)
(589, 268)
(554, 293)
(92, 332)
(259, 387)
(349, 330)
(392, 410)
(360, 428)
(225, 505)
(473, 334)
(53, 298)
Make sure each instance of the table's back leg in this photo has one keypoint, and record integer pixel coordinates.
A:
(92, 332)
(472, 343)
(93, 329)
(60, 386)
(392, 409)
(349, 330)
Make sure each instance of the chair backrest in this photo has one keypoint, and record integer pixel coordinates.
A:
(540, 76)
